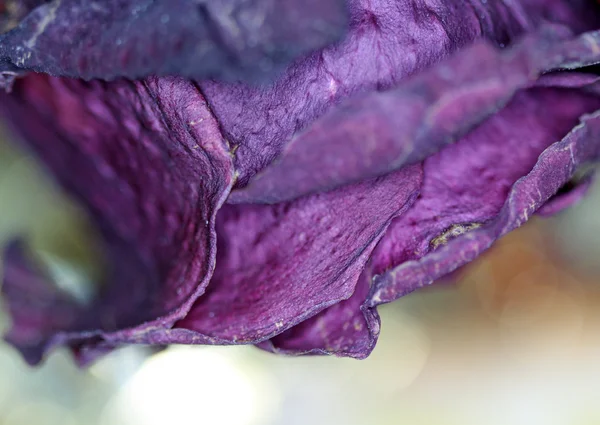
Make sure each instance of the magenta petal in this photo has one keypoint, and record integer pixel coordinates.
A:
(374, 134)
(280, 265)
(37, 306)
(152, 179)
(465, 186)
(133, 38)
(478, 189)
(389, 159)
(344, 329)
(571, 193)
(388, 41)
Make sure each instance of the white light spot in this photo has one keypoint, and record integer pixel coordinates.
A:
(189, 385)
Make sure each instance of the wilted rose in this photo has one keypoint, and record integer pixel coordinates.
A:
(269, 172)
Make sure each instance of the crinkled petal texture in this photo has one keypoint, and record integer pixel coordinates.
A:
(279, 265)
(152, 180)
(369, 169)
(228, 39)
(388, 41)
(473, 192)
(158, 218)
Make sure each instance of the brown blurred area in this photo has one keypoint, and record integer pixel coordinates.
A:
(516, 340)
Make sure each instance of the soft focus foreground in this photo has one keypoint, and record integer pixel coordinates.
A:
(516, 341)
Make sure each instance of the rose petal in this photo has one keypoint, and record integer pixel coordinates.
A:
(380, 132)
(230, 39)
(344, 329)
(457, 219)
(387, 42)
(570, 194)
(465, 186)
(152, 179)
(279, 265)
(37, 306)
(149, 161)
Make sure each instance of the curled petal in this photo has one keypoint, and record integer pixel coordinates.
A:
(280, 265)
(464, 188)
(380, 132)
(387, 42)
(227, 39)
(370, 168)
(454, 221)
(568, 195)
(153, 181)
(38, 307)
(344, 329)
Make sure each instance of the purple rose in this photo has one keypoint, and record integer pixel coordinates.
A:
(269, 172)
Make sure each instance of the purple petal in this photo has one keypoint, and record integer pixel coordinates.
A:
(154, 165)
(388, 41)
(475, 192)
(37, 306)
(380, 132)
(279, 265)
(465, 186)
(344, 329)
(230, 39)
(571, 193)
(152, 179)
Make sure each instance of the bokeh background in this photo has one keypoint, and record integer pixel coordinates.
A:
(515, 340)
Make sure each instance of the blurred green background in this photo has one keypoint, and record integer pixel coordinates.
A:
(515, 341)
